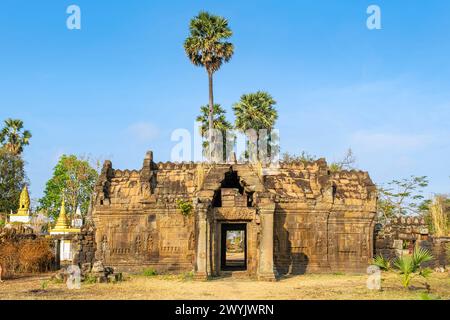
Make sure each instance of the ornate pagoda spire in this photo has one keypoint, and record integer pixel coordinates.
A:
(24, 202)
(62, 223)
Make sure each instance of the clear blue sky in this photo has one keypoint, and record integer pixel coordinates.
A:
(119, 86)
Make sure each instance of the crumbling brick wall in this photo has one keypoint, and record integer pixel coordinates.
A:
(400, 235)
(84, 245)
(441, 251)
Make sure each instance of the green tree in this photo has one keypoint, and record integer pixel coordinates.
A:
(12, 180)
(73, 178)
(13, 138)
(401, 197)
(220, 123)
(256, 111)
(207, 47)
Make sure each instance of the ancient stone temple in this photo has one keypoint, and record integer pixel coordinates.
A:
(244, 219)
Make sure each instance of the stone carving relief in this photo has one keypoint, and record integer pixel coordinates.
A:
(191, 245)
(104, 247)
(138, 245)
(235, 213)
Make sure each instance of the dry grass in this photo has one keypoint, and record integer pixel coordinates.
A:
(439, 217)
(316, 287)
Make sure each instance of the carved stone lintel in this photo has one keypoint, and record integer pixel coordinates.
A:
(235, 213)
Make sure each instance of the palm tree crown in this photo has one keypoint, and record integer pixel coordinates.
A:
(206, 45)
(220, 123)
(255, 111)
(12, 136)
(219, 120)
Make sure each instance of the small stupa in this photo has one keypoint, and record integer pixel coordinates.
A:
(64, 234)
(62, 225)
(77, 220)
(23, 214)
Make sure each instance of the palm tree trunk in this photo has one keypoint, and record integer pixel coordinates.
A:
(211, 111)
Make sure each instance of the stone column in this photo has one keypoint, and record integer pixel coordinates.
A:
(57, 243)
(201, 270)
(266, 265)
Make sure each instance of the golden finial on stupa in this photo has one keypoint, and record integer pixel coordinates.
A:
(62, 223)
(24, 202)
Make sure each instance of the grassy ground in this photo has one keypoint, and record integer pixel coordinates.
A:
(336, 287)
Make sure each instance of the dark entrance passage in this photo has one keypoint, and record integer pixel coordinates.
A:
(234, 247)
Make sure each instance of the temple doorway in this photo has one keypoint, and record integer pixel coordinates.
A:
(234, 247)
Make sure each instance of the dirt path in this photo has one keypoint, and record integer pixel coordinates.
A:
(175, 288)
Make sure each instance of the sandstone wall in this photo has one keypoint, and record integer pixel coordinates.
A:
(323, 221)
(137, 221)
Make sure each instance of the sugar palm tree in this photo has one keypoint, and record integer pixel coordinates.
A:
(256, 111)
(207, 47)
(219, 122)
(13, 137)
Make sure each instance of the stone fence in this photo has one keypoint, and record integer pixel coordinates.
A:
(400, 235)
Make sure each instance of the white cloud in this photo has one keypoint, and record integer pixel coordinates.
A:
(143, 131)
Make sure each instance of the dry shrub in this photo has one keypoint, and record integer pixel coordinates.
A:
(439, 218)
(35, 255)
(9, 257)
(26, 256)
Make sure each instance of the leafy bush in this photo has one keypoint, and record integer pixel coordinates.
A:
(381, 262)
(90, 279)
(409, 266)
(185, 207)
(150, 272)
(2, 223)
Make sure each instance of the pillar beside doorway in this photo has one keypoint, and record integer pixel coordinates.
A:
(266, 264)
(201, 265)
